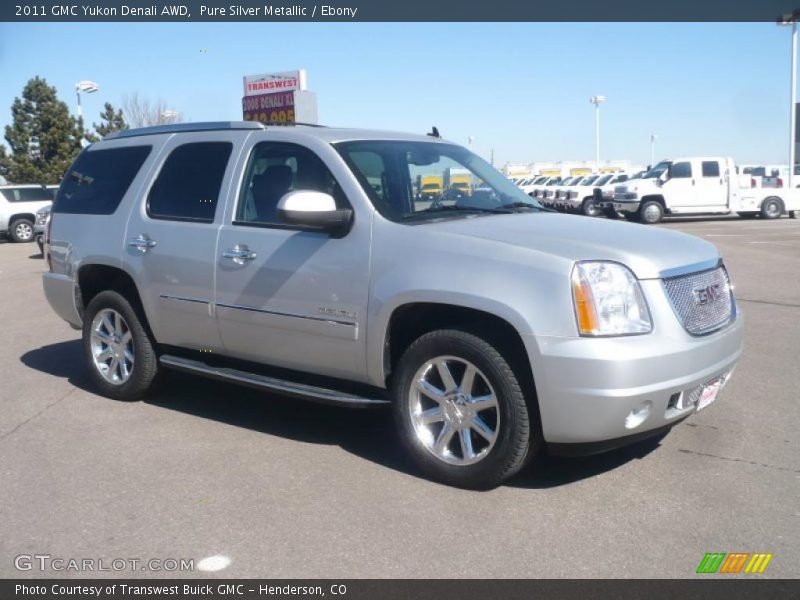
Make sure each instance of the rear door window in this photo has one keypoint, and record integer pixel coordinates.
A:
(97, 181)
(188, 186)
(710, 168)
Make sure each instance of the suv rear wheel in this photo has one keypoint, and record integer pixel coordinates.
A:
(120, 354)
(21, 230)
(772, 208)
(460, 410)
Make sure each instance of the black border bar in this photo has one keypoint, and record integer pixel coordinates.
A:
(397, 10)
(726, 588)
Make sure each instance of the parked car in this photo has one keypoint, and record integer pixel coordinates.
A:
(604, 194)
(692, 186)
(582, 198)
(528, 185)
(538, 190)
(40, 226)
(18, 206)
(494, 328)
(561, 193)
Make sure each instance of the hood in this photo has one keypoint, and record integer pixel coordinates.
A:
(646, 250)
(637, 184)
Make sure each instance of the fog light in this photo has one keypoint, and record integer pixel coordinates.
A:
(638, 415)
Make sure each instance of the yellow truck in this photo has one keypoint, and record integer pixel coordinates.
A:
(458, 181)
(429, 187)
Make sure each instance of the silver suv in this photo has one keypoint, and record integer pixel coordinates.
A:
(18, 206)
(303, 260)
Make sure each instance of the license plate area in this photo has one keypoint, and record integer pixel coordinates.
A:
(709, 393)
(703, 395)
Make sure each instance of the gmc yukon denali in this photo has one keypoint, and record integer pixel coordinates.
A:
(298, 259)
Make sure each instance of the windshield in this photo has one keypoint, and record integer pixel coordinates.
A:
(575, 181)
(469, 185)
(589, 180)
(603, 180)
(656, 171)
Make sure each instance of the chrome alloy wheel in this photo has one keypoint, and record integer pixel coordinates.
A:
(652, 213)
(456, 422)
(23, 231)
(112, 346)
(773, 209)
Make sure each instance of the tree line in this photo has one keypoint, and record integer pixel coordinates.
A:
(44, 138)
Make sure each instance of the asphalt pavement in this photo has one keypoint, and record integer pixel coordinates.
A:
(261, 486)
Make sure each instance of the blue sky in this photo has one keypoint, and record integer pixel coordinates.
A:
(521, 89)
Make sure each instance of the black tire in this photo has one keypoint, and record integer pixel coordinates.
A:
(632, 217)
(772, 208)
(648, 213)
(40, 243)
(145, 374)
(518, 437)
(21, 231)
(611, 213)
(589, 208)
(748, 215)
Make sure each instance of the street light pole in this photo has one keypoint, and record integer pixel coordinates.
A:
(596, 100)
(791, 19)
(792, 109)
(653, 137)
(84, 86)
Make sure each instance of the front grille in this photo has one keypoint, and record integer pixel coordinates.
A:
(703, 301)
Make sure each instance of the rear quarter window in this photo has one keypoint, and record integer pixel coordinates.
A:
(27, 194)
(188, 186)
(98, 180)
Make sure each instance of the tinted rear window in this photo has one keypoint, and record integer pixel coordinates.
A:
(710, 168)
(188, 186)
(28, 194)
(97, 181)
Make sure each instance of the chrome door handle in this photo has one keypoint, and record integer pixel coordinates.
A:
(142, 243)
(239, 254)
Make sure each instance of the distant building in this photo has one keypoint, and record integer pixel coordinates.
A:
(565, 168)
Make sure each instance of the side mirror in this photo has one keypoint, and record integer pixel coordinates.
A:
(313, 210)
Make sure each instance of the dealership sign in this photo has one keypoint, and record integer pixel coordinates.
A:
(278, 98)
(267, 83)
(269, 108)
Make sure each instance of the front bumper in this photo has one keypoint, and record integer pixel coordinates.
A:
(598, 391)
(625, 205)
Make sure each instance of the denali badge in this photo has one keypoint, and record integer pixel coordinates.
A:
(707, 294)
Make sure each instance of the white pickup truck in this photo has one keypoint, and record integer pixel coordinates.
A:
(699, 185)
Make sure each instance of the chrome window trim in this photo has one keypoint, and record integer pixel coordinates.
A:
(284, 314)
(706, 265)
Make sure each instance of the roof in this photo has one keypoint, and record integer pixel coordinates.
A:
(26, 185)
(329, 134)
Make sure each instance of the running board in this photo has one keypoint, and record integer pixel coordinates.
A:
(272, 384)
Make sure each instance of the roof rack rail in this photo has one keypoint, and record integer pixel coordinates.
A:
(184, 127)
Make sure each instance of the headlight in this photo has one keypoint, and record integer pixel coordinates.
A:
(608, 300)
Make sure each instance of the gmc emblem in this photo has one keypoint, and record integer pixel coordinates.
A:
(707, 294)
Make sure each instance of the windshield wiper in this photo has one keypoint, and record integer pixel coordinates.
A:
(518, 204)
(454, 208)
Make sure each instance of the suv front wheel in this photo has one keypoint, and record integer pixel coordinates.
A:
(460, 410)
(120, 354)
